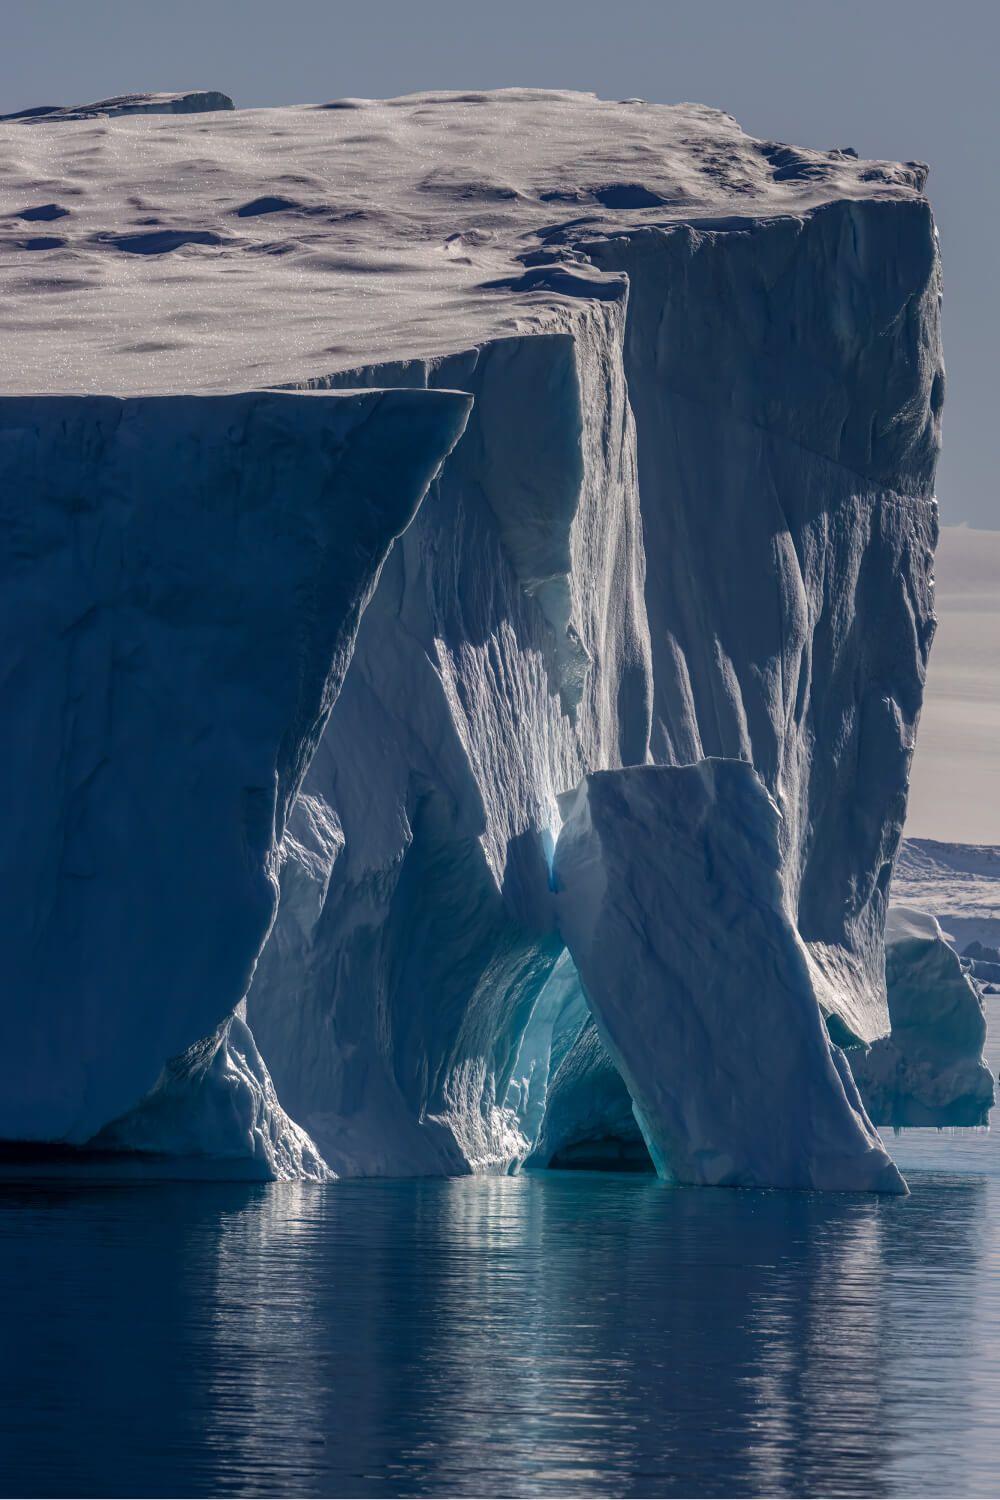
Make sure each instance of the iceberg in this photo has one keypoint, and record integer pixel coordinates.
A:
(930, 1069)
(651, 410)
(982, 961)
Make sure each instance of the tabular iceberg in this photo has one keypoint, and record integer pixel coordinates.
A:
(689, 518)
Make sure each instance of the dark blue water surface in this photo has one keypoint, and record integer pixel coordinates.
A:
(553, 1334)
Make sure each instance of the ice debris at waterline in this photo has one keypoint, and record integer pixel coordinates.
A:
(930, 1069)
(257, 753)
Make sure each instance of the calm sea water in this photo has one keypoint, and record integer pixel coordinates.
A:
(558, 1334)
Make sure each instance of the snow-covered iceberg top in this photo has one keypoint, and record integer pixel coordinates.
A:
(243, 248)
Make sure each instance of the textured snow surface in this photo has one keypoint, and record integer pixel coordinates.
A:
(691, 515)
(672, 906)
(256, 247)
(930, 1069)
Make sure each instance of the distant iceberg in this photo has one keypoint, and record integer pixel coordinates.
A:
(930, 1069)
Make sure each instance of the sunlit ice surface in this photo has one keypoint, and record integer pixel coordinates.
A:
(560, 1333)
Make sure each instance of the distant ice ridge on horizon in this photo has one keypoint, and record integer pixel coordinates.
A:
(671, 398)
(959, 884)
(199, 101)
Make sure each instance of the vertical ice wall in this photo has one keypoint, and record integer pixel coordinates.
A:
(787, 385)
(787, 382)
(182, 582)
(504, 652)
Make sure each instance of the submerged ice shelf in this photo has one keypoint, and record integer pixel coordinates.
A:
(652, 411)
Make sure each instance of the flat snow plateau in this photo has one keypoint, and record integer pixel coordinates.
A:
(239, 249)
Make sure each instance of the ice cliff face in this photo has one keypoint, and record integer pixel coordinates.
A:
(690, 517)
(182, 582)
(786, 383)
(505, 652)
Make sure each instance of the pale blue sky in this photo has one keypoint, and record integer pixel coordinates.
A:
(894, 78)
